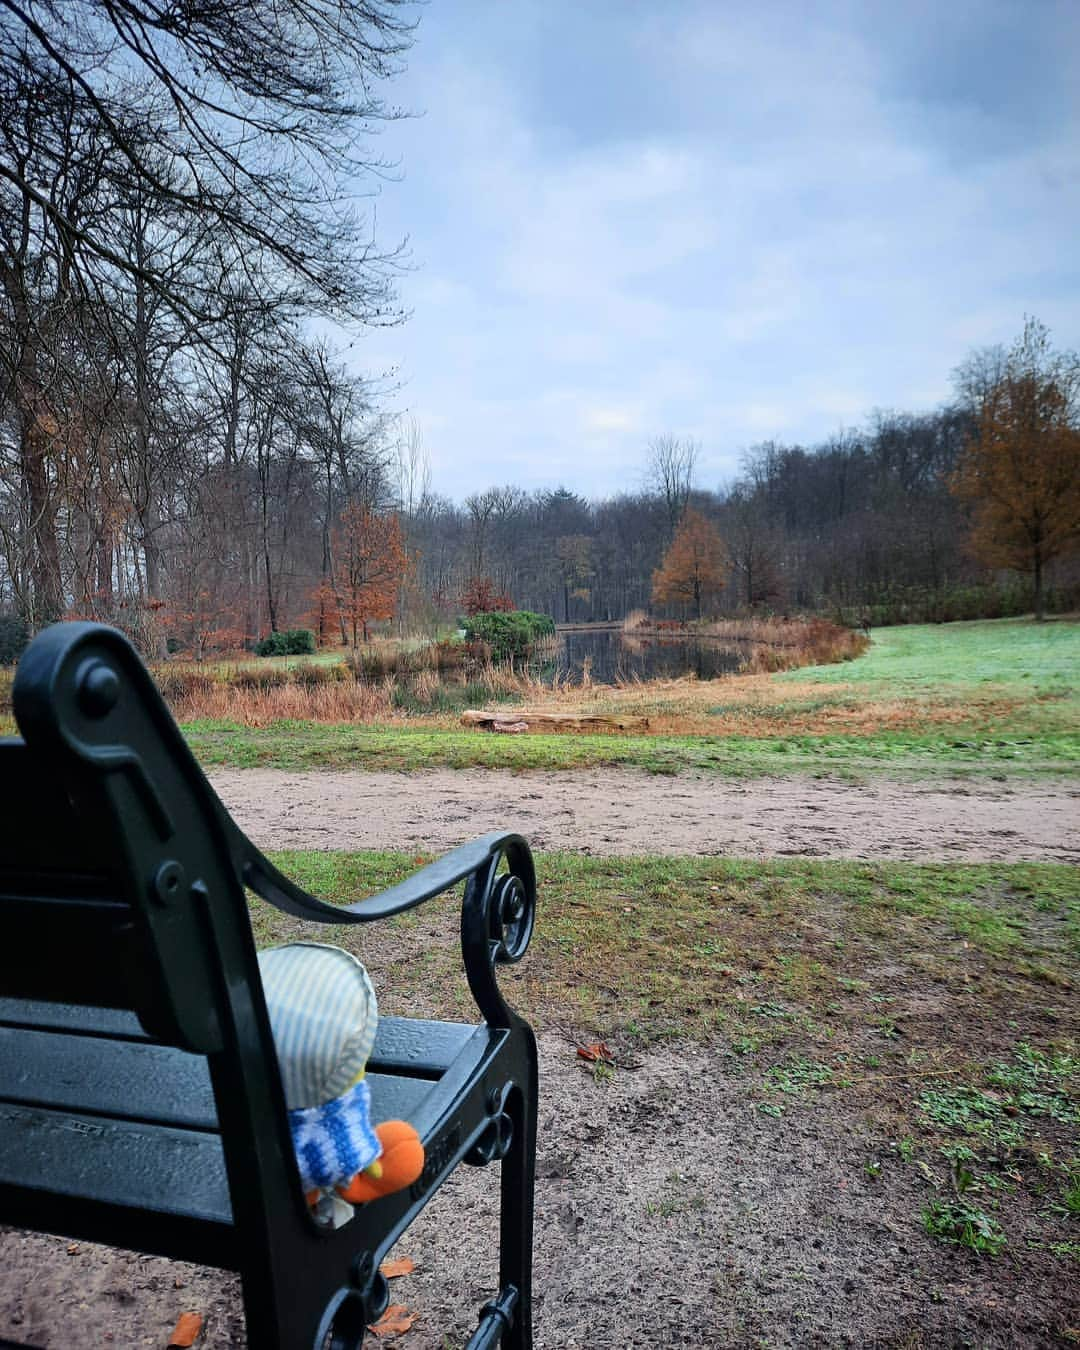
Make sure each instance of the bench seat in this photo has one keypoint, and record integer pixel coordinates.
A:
(103, 1125)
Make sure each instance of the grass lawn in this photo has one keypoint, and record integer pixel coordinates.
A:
(989, 699)
(936, 1003)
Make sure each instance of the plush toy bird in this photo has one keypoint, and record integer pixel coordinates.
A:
(323, 1014)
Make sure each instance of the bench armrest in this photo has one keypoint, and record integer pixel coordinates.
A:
(262, 877)
(497, 913)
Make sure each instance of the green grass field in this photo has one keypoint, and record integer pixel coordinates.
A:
(1012, 653)
(653, 947)
(989, 699)
(936, 1004)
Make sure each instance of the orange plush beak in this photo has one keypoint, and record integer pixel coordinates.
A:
(399, 1164)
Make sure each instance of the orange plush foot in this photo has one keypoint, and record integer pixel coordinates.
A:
(399, 1164)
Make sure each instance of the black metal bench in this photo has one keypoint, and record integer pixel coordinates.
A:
(140, 1100)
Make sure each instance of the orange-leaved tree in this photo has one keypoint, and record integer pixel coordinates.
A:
(482, 596)
(369, 557)
(695, 567)
(1021, 469)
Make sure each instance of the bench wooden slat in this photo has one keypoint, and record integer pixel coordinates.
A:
(144, 1083)
(113, 1164)
(402, 1045)
(128, 1080)
(42, 831)
(407, 1046)
(75, 1018)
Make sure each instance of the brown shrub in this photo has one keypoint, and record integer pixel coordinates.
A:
(261, 678)
(310, 676)
(182, 682)
(448, 655)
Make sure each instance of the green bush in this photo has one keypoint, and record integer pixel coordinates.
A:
(272, 645)
(291, 642)
(14, 635)
(509, 633)
(301, 642)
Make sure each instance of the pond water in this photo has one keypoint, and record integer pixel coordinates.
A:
(611, 655)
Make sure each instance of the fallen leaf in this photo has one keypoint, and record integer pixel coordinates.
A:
(73, 1247)
(395, 1321)
(598, 1051)
(186, 1331)
(400, 1265)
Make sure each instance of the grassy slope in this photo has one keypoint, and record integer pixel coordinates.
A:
(984, 699)
(935, 1003)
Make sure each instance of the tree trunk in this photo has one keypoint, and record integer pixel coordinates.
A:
(48, 591)
(1039, 613)
(271, 608)
(149, 525)
(105, 570)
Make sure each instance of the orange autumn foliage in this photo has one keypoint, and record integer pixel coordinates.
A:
(482, 596)
(1021, 471)
(694, 567)
(369, 563)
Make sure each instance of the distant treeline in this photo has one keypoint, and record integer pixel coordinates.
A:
(234, 534)
(862, 526)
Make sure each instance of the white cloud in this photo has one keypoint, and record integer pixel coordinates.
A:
(611, 419)
(788, 239)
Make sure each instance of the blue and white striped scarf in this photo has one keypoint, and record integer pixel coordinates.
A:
(334, 1141)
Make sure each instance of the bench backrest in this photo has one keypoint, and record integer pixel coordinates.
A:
(67, 930)
(117, 875)
(121, 886)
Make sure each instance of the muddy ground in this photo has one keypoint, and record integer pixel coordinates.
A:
(630, 812)
(670, 1212)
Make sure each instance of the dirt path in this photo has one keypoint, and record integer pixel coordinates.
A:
(628, 812)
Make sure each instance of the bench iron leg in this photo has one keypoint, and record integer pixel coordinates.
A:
(516, 1217)
(496, 1320)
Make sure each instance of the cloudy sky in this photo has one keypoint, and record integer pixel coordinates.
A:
(732, 220)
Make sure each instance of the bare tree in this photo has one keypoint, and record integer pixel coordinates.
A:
(481, 506)
(257, 112)
(412, 468)
(669, 472)
(977, 377)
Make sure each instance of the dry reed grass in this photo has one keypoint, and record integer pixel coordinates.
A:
(377, 688)
(354, 701)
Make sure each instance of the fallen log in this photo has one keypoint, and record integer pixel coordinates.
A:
(551, 721)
